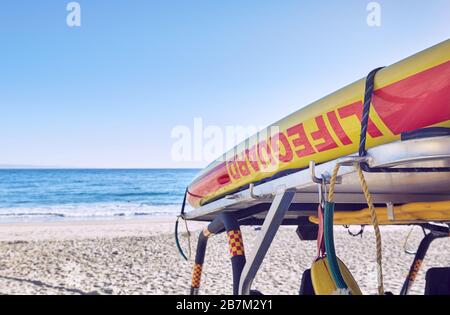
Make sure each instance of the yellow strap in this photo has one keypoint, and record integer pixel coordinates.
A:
(416, 212)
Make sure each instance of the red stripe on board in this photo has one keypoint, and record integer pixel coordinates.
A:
(211, 181)
(215, 169)
(415, 102)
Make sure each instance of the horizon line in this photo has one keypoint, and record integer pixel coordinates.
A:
(25, 167)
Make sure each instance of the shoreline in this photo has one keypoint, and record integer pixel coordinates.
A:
(94, 228)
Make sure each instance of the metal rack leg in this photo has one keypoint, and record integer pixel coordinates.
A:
(274, 218)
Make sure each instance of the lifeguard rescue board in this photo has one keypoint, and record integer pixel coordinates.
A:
(409, 95)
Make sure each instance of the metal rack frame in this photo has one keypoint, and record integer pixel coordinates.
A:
(284, 200)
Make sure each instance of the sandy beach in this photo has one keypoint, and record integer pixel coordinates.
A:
(140, 257)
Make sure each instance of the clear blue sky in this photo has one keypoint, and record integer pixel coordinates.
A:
(108, 94)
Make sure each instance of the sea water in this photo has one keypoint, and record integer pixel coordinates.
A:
(72, 194)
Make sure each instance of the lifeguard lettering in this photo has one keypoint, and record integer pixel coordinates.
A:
(265, 154)
(233, 170)
(337, 127)
(280, 143)
(252, 158)
(282, 146)
(300, 141)
(242, 165)
(323, 134)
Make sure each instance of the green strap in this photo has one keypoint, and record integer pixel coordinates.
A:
(329, 247)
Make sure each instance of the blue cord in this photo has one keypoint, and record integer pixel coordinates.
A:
(177, 240)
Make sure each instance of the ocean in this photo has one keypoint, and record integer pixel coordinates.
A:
(79, 194)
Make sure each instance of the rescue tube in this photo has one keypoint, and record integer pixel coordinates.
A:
(322, 280)
(409, 95)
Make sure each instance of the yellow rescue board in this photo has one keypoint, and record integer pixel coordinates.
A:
(409, 95)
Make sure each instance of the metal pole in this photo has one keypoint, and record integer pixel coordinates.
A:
(272, 222)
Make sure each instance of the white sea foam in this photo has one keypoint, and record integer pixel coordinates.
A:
(86, 211)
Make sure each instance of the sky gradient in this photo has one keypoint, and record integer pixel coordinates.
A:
(108, 94)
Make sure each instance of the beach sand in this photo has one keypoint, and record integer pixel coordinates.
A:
(140, 257)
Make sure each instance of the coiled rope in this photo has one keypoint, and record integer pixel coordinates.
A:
(373, 215)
